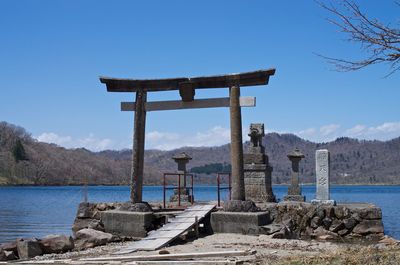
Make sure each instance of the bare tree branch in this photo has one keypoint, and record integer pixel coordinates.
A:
(380, 42)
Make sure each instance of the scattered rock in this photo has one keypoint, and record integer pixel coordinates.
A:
(321, 213)
(368, 227)
(371, 213)
(7, 255)
(88, 238)
(80, 224)
(85, 210)
(136, 207)
(387, 240)
(341, 212)
(96, 225)
(343, 232)
(336, 226)
(322, 234)
(10, 246)
(282, 234)
(2, 255)
(315, 222)
(101, 206)
(326, 222)
(329, 212)
(326, 237)
(28, 248)
(350, 223)
(56, 244)
(270, 229)
(240, 206)
(163, 252)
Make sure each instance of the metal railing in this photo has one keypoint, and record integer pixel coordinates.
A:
(219, 188)
(172, 187)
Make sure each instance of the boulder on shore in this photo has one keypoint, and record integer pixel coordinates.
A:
(88, 238)
(56, 244)
(7, 255)
(28, 248)
(10, 246)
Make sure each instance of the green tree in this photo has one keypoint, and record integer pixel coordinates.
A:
(18, 152)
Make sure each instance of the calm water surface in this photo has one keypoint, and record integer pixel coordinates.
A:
(39, 211)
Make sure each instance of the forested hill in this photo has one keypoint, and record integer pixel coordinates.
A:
(24, 160)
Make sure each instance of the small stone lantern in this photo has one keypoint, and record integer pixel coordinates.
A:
(294, 191)
(182, 159)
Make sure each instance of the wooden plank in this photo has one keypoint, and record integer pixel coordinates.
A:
(195, 255)
(195, 104)
(176, 226)
(173, 226)
(166, 234)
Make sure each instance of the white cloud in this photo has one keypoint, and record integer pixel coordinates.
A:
(325, 133)
(89, 142)
(356, 131)
(329, 130)
(218, 136)
(167, 141)
(385, 131)
(307, 133)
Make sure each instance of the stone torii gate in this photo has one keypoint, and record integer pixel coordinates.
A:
(187, 89)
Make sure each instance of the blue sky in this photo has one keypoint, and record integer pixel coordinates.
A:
(52, 53)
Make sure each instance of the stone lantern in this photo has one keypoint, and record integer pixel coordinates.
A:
(182, 159)
(294, 191)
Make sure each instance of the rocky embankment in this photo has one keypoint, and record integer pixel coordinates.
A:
(344, 222)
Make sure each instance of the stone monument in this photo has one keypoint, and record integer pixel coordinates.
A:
(182, 159)
(294, 191)
(257, 171)
(322, 168)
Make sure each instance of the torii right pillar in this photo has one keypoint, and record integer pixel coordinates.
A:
(237, 175)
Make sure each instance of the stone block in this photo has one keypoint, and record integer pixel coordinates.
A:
(240, 206)
(254, 159)
(238, 222)
(28, 249)
(124, 223)
(254, 181)
(256, 167)
(295, 198)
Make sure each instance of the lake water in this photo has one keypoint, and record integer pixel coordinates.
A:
(39, 211)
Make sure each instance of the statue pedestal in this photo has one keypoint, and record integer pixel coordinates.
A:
(257, 183)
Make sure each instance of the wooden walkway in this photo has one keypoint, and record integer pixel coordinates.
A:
(174, 228)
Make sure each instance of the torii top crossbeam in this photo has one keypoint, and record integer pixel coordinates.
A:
(254, 78)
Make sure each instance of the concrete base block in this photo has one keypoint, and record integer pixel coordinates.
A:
(239, 223)
(125, 223)
(324, 202)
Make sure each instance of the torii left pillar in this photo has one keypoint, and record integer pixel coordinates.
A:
(138, 147)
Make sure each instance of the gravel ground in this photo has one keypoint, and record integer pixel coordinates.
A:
(264, 246)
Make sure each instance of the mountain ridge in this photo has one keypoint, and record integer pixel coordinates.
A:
(353, 161)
